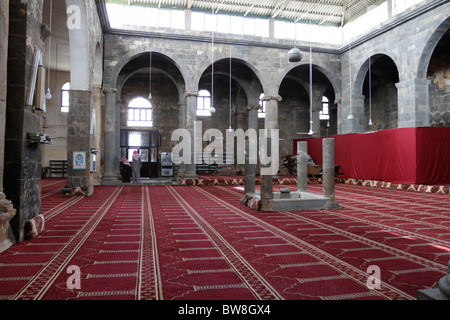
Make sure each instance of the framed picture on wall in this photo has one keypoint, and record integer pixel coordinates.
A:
(79, 160)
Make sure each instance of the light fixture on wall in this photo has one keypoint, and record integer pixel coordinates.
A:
(370, 92)
(48, 95)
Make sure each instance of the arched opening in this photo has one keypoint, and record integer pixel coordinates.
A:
(380, 93)
(439, 75)
(295, 111)
(149, 86)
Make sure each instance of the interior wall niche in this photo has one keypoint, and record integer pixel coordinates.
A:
(380, 94)
(439, 74)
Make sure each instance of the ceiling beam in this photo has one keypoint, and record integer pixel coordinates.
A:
(344, 13)
(281, 7)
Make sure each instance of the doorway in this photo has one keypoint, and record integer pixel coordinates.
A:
(147, 143)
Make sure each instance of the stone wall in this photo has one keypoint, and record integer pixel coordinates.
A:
(23, 177)
(416, 35)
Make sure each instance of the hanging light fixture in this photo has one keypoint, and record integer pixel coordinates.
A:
(48, 95)
(370, 92)
(295, 54)
(212, 109)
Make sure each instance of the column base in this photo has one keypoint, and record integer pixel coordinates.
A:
(6, 214)
(111, 180)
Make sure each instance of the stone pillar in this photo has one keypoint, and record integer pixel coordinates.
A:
(270, 123)
(110, 137)
(442, 292)
(328, 173)
(191, 116)
(302, 166)
(240, 124)
(250, 169)
(79, 138)
(182, 124)
(7, 212)
(356, 124)
(413, 103)
(22, 180)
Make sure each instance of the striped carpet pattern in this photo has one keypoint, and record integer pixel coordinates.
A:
(201, 243)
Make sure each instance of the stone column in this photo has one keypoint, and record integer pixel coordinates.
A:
(250, 169)
(79, 138)
(302, 166)
(182, 124)
(270, 123)
(110, 137)
(240, 124)
(413, 103)
(191, 117)
(7, 212)
(328, 173)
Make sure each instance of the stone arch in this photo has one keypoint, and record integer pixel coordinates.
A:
(112, 81)
(235, 56)
(324, 69)
(378, 114)
(442, 26)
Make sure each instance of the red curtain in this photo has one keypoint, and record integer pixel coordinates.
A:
(407, 155)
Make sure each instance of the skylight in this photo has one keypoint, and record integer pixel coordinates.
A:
(145, 18)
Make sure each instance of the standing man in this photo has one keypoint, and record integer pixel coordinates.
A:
(136, 165)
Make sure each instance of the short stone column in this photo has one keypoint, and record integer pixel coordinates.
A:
(442, 292)
(270, 123)
(329, 173)
(191, 117)
(250, 168)
(302, 166)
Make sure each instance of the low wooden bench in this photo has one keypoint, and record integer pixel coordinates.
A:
(66, 191)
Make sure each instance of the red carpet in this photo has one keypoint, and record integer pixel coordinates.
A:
(200, 243)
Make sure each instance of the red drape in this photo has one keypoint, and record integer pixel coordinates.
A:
(407, 155)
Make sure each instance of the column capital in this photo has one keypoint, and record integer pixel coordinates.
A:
(253, 107)
(190, 94)
(271, 97)
(107, 90)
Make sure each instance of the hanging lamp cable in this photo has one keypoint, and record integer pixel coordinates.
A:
(311, 122)
(370, 92)
(48, 95)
